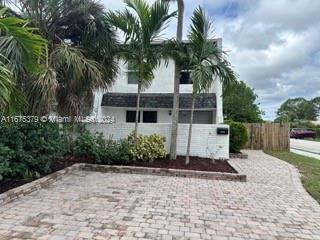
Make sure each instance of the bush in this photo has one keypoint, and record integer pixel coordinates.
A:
(5, 157)
(29, 148)
(115, 152)
(238, 136)
(103, 151)
(149, 147)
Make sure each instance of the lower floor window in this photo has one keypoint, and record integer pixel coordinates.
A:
(131, 116)
(150, 116)
(147, 116)
(199, 117)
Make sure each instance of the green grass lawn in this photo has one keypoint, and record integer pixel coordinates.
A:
(313, 139)
(308, 167)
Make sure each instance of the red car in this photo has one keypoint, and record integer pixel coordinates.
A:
(301, 133)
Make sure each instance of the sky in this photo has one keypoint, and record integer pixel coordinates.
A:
(273, 45)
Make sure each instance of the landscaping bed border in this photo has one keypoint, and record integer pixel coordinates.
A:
(44, 182)
(238, 155)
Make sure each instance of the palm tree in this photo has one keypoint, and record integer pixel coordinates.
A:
(206, 60)
(141, 28)
(32, 49)
(79, 57)
(175, 110)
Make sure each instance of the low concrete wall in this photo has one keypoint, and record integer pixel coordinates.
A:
(204, 143)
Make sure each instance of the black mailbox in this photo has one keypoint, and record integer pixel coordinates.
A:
(222, 131)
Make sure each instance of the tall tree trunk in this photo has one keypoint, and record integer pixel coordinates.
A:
(190, 131)
(137, 118)
(175, 110)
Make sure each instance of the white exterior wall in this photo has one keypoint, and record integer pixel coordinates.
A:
(163, 82)
(204, 143)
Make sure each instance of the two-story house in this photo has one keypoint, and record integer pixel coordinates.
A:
(156, 109)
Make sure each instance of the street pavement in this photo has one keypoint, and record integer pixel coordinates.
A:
(305, 147)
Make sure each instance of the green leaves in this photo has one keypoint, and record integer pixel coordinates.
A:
(206, 60)
(21, 51)
(141, 24)
(149, 147)
(79, 58)
(296, 109)
(77, 76)
(28, 148)
(240, 104)
(20, 45)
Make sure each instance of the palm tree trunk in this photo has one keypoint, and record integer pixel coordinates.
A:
(175, 110)
(137, 117)
(190, 131)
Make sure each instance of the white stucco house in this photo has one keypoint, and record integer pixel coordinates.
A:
(156, 110)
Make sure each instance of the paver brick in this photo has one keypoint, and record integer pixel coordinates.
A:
(272, 204)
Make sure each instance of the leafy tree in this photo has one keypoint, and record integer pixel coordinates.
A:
(141, 24)
(175, 110)
(206, 60)
(239, 104)
(31, 50)
(316, 103)
(296, 109)
(79, 57)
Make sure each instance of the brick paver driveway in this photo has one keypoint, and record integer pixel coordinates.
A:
(90, 205)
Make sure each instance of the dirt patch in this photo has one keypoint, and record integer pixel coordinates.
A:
(196, 163)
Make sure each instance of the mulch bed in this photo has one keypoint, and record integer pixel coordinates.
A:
(196, 163)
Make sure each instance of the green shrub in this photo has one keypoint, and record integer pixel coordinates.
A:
(149, 147)
(5, 158)
(103, 151)
(115, 152)
(238, 136)
(30, 147)
(86, 145)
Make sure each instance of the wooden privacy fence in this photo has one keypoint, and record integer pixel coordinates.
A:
(268, 136)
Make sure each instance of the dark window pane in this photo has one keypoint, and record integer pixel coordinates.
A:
(131, 116)
(199, 117)
(150, 116)
(132, 78)
(185, 77)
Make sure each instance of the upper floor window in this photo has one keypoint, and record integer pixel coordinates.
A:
(185, 77)
(132, 74)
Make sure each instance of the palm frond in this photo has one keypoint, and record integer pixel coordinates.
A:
(11, 99)
(126, 22)
(20, 45)
(159, 18)
(77, 77)
(73, 62)
(42, 93)
(141, 25)
(207, 60)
